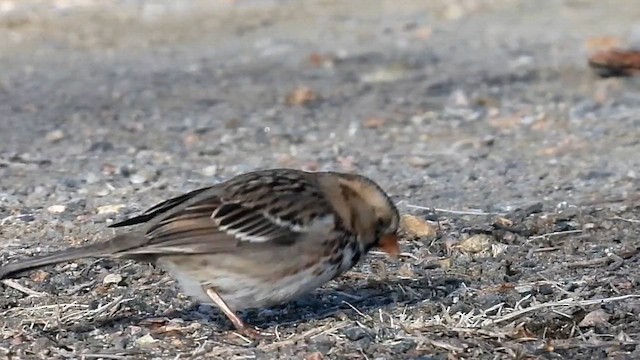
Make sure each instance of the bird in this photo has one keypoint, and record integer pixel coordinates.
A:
(255, 240)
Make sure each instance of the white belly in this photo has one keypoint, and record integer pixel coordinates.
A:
(241, 292)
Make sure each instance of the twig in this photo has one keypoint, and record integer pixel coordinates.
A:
(356, 310)
(345, 294)
(446, 346)
(589, 263)
(14, 285)
(545, 249)
(566, 302)
(544, 236)
(384, 254)
(297, 337)
(70, 354)
(457, 212)
(625, 219)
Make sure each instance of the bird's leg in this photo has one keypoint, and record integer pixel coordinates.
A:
(240, 325)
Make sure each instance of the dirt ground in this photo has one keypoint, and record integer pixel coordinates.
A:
(481, 117)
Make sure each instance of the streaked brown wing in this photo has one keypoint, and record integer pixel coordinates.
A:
(159, 209)
(254, 209)
(212, 226)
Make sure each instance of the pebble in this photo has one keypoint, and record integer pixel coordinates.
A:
(138, 179)
(146, 341)
(595, 318)
(112, 279)
(56, 209)
(417, 227)
(110, 209)
(355, 333)
(323, 343)
(26, 217)
(54, 136)
(476, 243)
(143, 177)
(210, 171)
(419, 162)
(101, 146)
(102, 192)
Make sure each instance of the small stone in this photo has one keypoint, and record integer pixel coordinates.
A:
(146, 341)
(355, 333)
(384, 74)
(445, 263)
(26, 217)
(101, 146)
(39, 276)
(56, 209)
(323, 343)
(71, 183)
(126, 171)
(504, 222)
(138, 179)
(112, 279)
(476, 243)
(301, 96)
(545, 289)
(419, 162)
(314, 356)
(458, 98)
(498, 249)
(210, 171)
(110, 209)
(595, 318)
(54, 136)
(417, 227)
(374, 123)
(102, 192)
(109, 169)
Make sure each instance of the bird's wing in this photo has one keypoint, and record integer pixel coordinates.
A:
(246, 212)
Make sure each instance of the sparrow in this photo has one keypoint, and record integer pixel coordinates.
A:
(255, 240)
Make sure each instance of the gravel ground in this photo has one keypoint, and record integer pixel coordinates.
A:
(484, 113)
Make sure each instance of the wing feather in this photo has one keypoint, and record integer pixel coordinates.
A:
(248, 211)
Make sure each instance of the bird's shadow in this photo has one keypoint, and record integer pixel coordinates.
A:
(321, 304)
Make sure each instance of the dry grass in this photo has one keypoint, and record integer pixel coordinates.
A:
(59, 315)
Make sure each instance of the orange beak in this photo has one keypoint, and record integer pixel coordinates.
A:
(389, 244)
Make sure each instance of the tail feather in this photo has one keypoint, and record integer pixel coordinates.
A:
(111, 248)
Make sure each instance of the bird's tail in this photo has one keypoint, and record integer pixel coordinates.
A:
(110, 248)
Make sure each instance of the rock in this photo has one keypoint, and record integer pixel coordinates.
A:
(416, 227)
(419, 162)
(210, 171)
(101, 146)
(302, 96)
(54, 136)
(595, 318)
(476, 243)
(138, 179)
(314, 356)
(56, 209)
(146, 341)
(110, 209)
(355, 333)
(112, 279)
